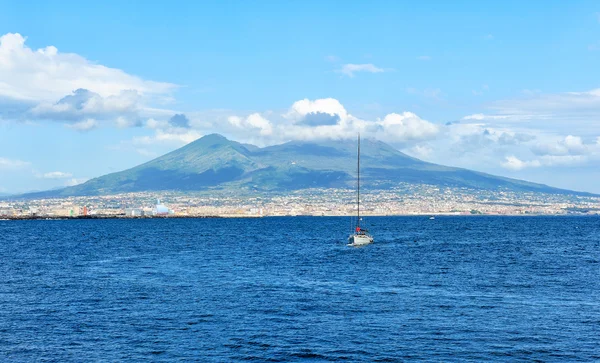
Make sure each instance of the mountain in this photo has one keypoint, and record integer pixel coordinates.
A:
(216, 162)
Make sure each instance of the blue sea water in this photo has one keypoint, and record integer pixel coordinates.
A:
(289, 289)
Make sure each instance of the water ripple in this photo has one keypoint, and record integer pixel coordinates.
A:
(288, 289)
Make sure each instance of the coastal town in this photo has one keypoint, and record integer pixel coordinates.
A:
(405, 199)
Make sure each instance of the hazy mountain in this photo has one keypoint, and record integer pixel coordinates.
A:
(216, 162)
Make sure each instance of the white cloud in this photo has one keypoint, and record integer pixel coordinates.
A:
(475, 145)
(551, 118)
(575, 145)
(300, 109)
(481, 117)
(332, 58)
(420, 151)
(75, 181)
(405, 127)
(513, 163)
(46, 74)
(125, 122)
(86, 125)
(6, 163)
(553, 106)
(569, 145)
(522, 141)
(176, 136)
(83, 104)
(56, 175)
(350, 69)
(46, 84)
(155, 124)
(424, 57)
(253, 121)
(327, 119)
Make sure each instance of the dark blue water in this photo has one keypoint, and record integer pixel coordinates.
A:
(288, 289)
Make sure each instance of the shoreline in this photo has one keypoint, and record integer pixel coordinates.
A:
(42, 218)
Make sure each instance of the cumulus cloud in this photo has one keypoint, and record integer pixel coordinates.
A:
(538, 130)
(83, 101)
(560, 109)
(474, 145)
(46, 74)
(514, 138)
(45, 84)
(327, 118)
(524, 141)
(420, 151)
(570, 145)
(320, 118)
(254, 121)
(180, 120)
(350, 69)
(330, 106)
(405, 127)
(514, 163)
(175, 137)
(85, 125)
(84, 104)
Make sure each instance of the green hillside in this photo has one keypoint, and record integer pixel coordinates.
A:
(216, 162)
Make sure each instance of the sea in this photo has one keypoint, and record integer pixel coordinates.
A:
(287, 289)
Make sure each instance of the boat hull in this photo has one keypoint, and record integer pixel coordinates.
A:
(359, 240)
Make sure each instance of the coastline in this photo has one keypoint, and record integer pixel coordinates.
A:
(95, 217)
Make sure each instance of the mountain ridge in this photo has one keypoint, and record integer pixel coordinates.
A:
(215, 162)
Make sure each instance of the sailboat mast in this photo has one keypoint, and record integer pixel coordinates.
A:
(358, 184)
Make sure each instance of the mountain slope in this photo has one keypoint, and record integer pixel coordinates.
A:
(216, 162)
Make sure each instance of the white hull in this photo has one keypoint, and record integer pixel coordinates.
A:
(359, 240)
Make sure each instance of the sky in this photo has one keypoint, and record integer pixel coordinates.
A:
(510, 88)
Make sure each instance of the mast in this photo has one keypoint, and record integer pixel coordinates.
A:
(358, 184)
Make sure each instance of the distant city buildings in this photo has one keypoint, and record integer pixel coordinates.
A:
(134, 212)
(161, 210)
(406, 199)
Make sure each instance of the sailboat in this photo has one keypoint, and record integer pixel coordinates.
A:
(360, 236)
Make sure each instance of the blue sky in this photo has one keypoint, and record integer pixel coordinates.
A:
(509, 88)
